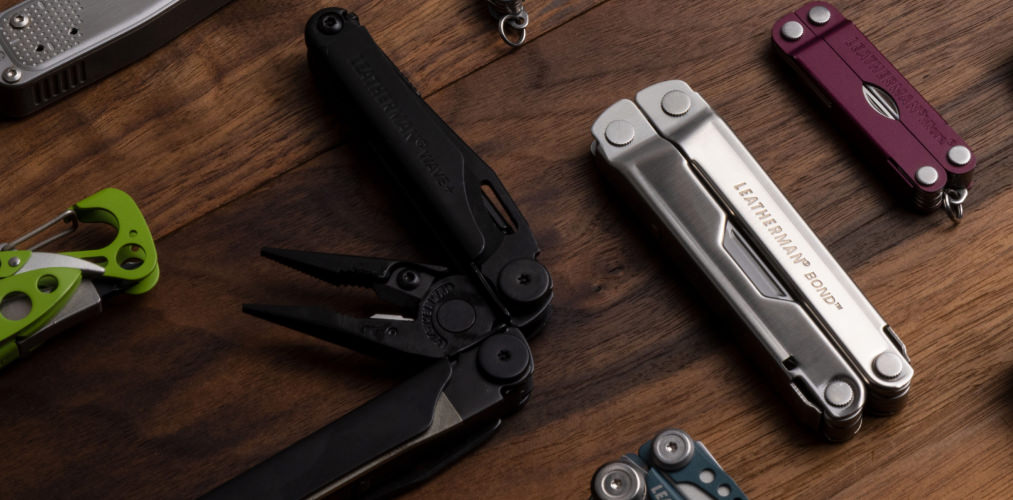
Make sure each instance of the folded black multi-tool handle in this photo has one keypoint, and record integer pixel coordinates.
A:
(466, 326)
(445, 180)
(402, 437)
(51, 49)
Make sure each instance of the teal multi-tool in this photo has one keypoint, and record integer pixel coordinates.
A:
(669, 467)
(41, 294)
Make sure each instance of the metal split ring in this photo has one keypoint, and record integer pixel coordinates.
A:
(515, 22)
(953, 204)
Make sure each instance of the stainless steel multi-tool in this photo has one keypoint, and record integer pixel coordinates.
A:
(904, 134)
(669, 467)
(701, 191)
(52, 48)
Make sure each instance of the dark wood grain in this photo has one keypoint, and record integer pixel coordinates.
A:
(228, 106)
(170, 394)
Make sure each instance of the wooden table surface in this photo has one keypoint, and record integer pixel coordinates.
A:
(224, 142)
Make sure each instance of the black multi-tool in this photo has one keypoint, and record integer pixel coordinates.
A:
(467, 324)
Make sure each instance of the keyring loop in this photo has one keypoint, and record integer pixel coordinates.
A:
(953, 204)
(518, 23)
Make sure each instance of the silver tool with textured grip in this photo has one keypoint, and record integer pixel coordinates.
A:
(52, 48)
(713, 205)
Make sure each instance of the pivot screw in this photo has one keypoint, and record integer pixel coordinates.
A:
(888, 365)
(819, 15)
(792, 30)
(676, 103)
(504, 358)
(456, 316)
(959, 155)
(672, 450)
(620, 133)
(12, 75)
(409, 280)
(839, 393)
(618, 481)
(524, 281)
(19, 21)
(14, 262)
(331, 24)
(927, 176)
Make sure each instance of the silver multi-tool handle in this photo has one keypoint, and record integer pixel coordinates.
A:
(710, 201)
(51, 48)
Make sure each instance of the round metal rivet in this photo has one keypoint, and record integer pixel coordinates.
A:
(14, 262)
(524, 281)
(839, 393)
(618, 481)
(888, 365)
(672, 450)
(331, 24)
(19, 21)
(409, 280)
(927, 176)
(676, 103)
(959, 155)
(456, 315)
(504, 357)
(620, 133)
(792, 30)
(12, 75)
(819, 15)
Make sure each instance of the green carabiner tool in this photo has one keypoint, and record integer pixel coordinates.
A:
(41, 294)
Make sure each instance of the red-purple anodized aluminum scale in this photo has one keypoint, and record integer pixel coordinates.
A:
(861, 86)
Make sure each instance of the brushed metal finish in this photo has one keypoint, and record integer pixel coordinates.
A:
(58, 47)
(83, 304)
(619, 133)
(675, 198)
(676, 103)
(64, 28)
(881, 101)
(787, 242)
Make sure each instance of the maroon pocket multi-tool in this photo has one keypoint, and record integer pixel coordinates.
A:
(898, 127)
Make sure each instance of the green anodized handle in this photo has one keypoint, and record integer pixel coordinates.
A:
(46, 292)
(31, 299)
(131, 256)
(11, 261)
